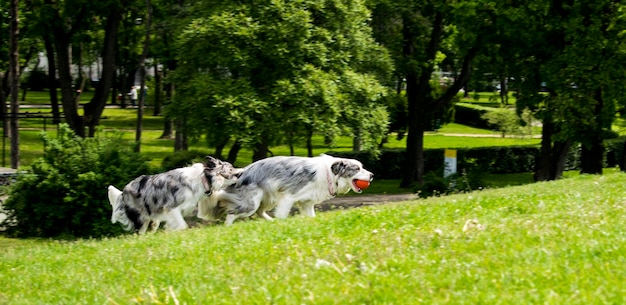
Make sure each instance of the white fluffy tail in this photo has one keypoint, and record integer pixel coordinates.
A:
(207, 207)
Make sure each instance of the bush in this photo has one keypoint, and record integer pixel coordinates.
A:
(182, 158)
(471, 115)
(503, 120)
(64, 193)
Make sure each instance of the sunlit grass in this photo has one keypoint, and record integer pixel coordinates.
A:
(557, 242)
(125, 121)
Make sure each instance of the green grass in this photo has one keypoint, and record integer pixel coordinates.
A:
(490, 99)
(125, 120)
(43, 97)
(557, 242)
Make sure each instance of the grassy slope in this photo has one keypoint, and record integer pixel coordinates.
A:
(547, 243)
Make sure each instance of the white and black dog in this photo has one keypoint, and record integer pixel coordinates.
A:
(277, 183)
(168, 196)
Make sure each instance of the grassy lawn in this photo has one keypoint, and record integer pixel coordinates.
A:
(557, 242)
(124, 121)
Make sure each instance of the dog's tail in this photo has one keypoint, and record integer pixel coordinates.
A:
(206, 206)
(209, 208)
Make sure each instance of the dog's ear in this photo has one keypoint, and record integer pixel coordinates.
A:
(114, 194)
(211, 163)
(344, 168)
(338, 168)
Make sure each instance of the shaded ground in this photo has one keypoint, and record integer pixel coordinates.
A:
(361, 200)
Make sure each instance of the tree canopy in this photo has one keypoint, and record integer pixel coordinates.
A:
(258, 74)
(273, 71)
(574, 52)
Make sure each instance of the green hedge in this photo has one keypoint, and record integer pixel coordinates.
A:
(471, 115)
(495, 160)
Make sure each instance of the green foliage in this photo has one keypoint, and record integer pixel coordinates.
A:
(64, 192)
(435, 184)
(472, 115)
(182, 159)
(473, 162)
(504, 120)
(272, 71)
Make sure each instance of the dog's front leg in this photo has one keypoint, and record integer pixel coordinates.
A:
(230, 218)
(283, 208)
(144, 228)
(307, 208)
(175, 221)
(264, 215)
(154, 225)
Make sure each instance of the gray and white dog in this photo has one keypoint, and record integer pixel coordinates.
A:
(277, 183)
(168, 196)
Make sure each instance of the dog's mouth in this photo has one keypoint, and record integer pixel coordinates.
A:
(355, 188)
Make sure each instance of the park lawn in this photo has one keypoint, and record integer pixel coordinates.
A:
(155, 148)
(560, 242)
(43, 97)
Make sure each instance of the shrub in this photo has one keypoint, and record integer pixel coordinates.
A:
(64, 192)
(503, 120)
(182, 158)
(471, 115)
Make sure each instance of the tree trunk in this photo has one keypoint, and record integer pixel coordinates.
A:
(592, 155)
(309, 142)
(234, 151)
(559, 156)
(260, 150)
(180, 138)
(550, 162)
(158, 91)
(622, 163)
(52, 80)
(26, 59)
(14, 74)
(114, 92)
(543, 164)
(219, 147)
(142, 71)
(421, 104)
(93, 110)
(356, 141)
(412, 165)
(168, 130)
(4, 111)
(414, 168)
(70, 110)
(418, 100)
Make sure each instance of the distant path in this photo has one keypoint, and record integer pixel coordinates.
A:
(481, 135)
(362, 200)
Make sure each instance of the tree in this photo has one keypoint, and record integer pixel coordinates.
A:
(264, 73)
(142, 72)
(65, 22)
(578, 60)
(170, 17)
(14, 75)
(504, 120)
(426, 31)
(5, 22)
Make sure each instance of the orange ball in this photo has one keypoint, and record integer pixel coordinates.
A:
(362, 184)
